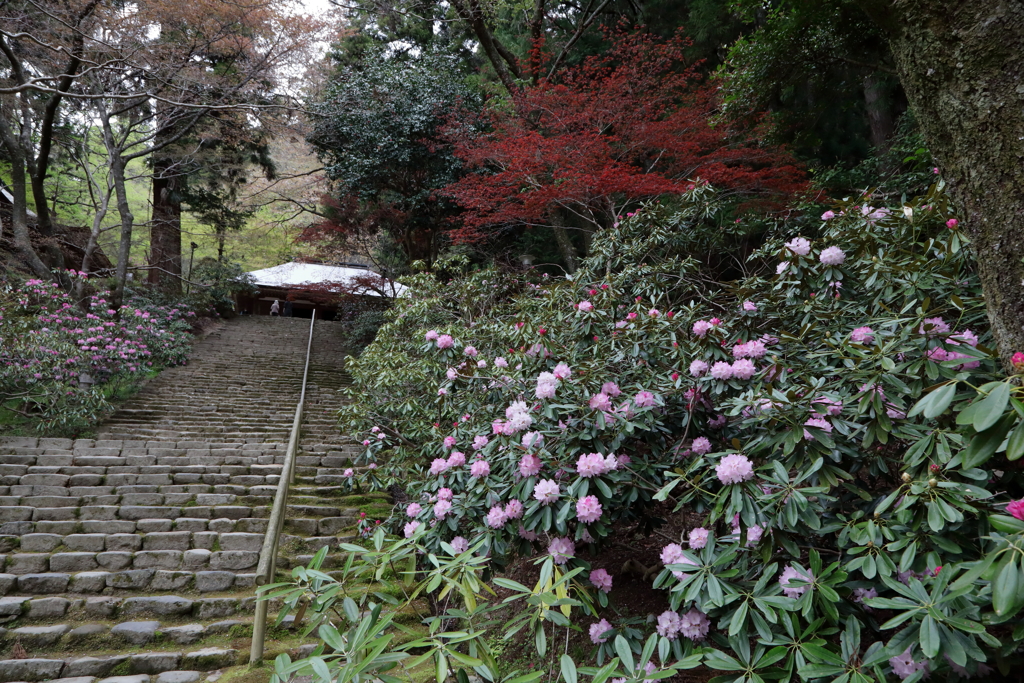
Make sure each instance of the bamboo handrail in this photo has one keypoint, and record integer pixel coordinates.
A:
(267, 566)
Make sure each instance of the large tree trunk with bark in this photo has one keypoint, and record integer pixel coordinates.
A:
(165, 227)
(961, 64)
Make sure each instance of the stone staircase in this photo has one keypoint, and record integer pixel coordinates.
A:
(133, 555)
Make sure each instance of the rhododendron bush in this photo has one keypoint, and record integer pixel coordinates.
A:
(834, 419)
(59, 362)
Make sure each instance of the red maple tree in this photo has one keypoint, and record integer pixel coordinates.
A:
(628, 125)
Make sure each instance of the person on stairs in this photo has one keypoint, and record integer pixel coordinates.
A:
(275, 308)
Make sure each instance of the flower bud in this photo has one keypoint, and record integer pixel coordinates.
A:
(933, 482)
(907, 478)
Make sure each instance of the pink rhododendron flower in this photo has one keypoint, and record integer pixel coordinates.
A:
(831, 405)
(411, 528)
(547, 383)
(588, 509)
(413, 509)
(591, 465)
(513, 509)
(500, 362)
(442, 392)
(744, 368)
(698, 368)
(470, 351)
(562, 550)
(562, 371)
(779, 269)
(952, 223)
(631, 316)
(721, 370)
(1016, 509)
(611, 389)
(734, 468)
(654, 313)
(644, 399)
(445, 341)
(438, 466)
(585, 306)
(444, 494)
(819, 423)
(751, 349)
(481, 364)
(601, 402)
(533, 440)
(668, 625)
(934, 326)
(799, 246)
(451, 373)
(790, 576)
(496, 517)
(546, 491)
(701, 327)
(528, 535)
(701, 445)
(529, 465)
(460, 544)
(449, 441)
(694, 624)
(597, 629)
(480, 468)
(833, 256)
(479, 442)
(828, 215)
(904, 666)
(431, 335)
(698, 538)
(749, 306)
(456, 459)
(601, 579)
(442, 508)
(862, 335)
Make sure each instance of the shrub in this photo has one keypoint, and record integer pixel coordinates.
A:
(59, 362)
(807, 413)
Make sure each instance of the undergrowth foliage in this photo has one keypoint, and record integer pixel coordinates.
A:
(834, 419)
(60, 361)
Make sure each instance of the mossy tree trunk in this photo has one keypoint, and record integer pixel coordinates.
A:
(961, 65)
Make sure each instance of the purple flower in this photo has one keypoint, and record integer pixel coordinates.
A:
(698, 538)
(413, 509)
(749, 306)
(439, 466)
(456, 459)
(444, 494)
(668, 625)
(818, 423)
(735, 468)
(431, 335)
(460, 544)
(562, 371)
(790, 575)
(480, 468)
(601, 402)
(701, 445)
(562, 549)
(779, 269)
(500, 362)
(828, 215)
(445, 341)
(644, 399)
(588, 509)
(596, 630)
(904, 666)
(470, 351)
(694, 624)
(442, 508)
(601, 579)
(698, 368)
(610, 389)
(411, 528)
(479, 442)
(496, 518)
(862, 335)
(513, 509)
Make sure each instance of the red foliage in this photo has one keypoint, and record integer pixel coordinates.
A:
(628, 125)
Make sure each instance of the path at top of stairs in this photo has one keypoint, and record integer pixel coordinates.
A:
(133, 555)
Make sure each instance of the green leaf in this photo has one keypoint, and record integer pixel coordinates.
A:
(1004, 588)
(935, 402)
(624, 653)
(929, 636)
(992, 407)
(1015, 447)
(568, 669)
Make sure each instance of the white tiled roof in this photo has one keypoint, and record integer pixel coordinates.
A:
(297, 274)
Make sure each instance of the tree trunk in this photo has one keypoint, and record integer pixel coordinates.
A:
(880, 120)
(565, 246)
(961, 65)
(19, 220)
(165, 227)
(124, 248)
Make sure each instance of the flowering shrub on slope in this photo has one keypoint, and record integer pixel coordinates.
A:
(807, 411)
(56, 359)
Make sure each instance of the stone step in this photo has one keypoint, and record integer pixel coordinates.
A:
(22, 608)
(140, 666)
